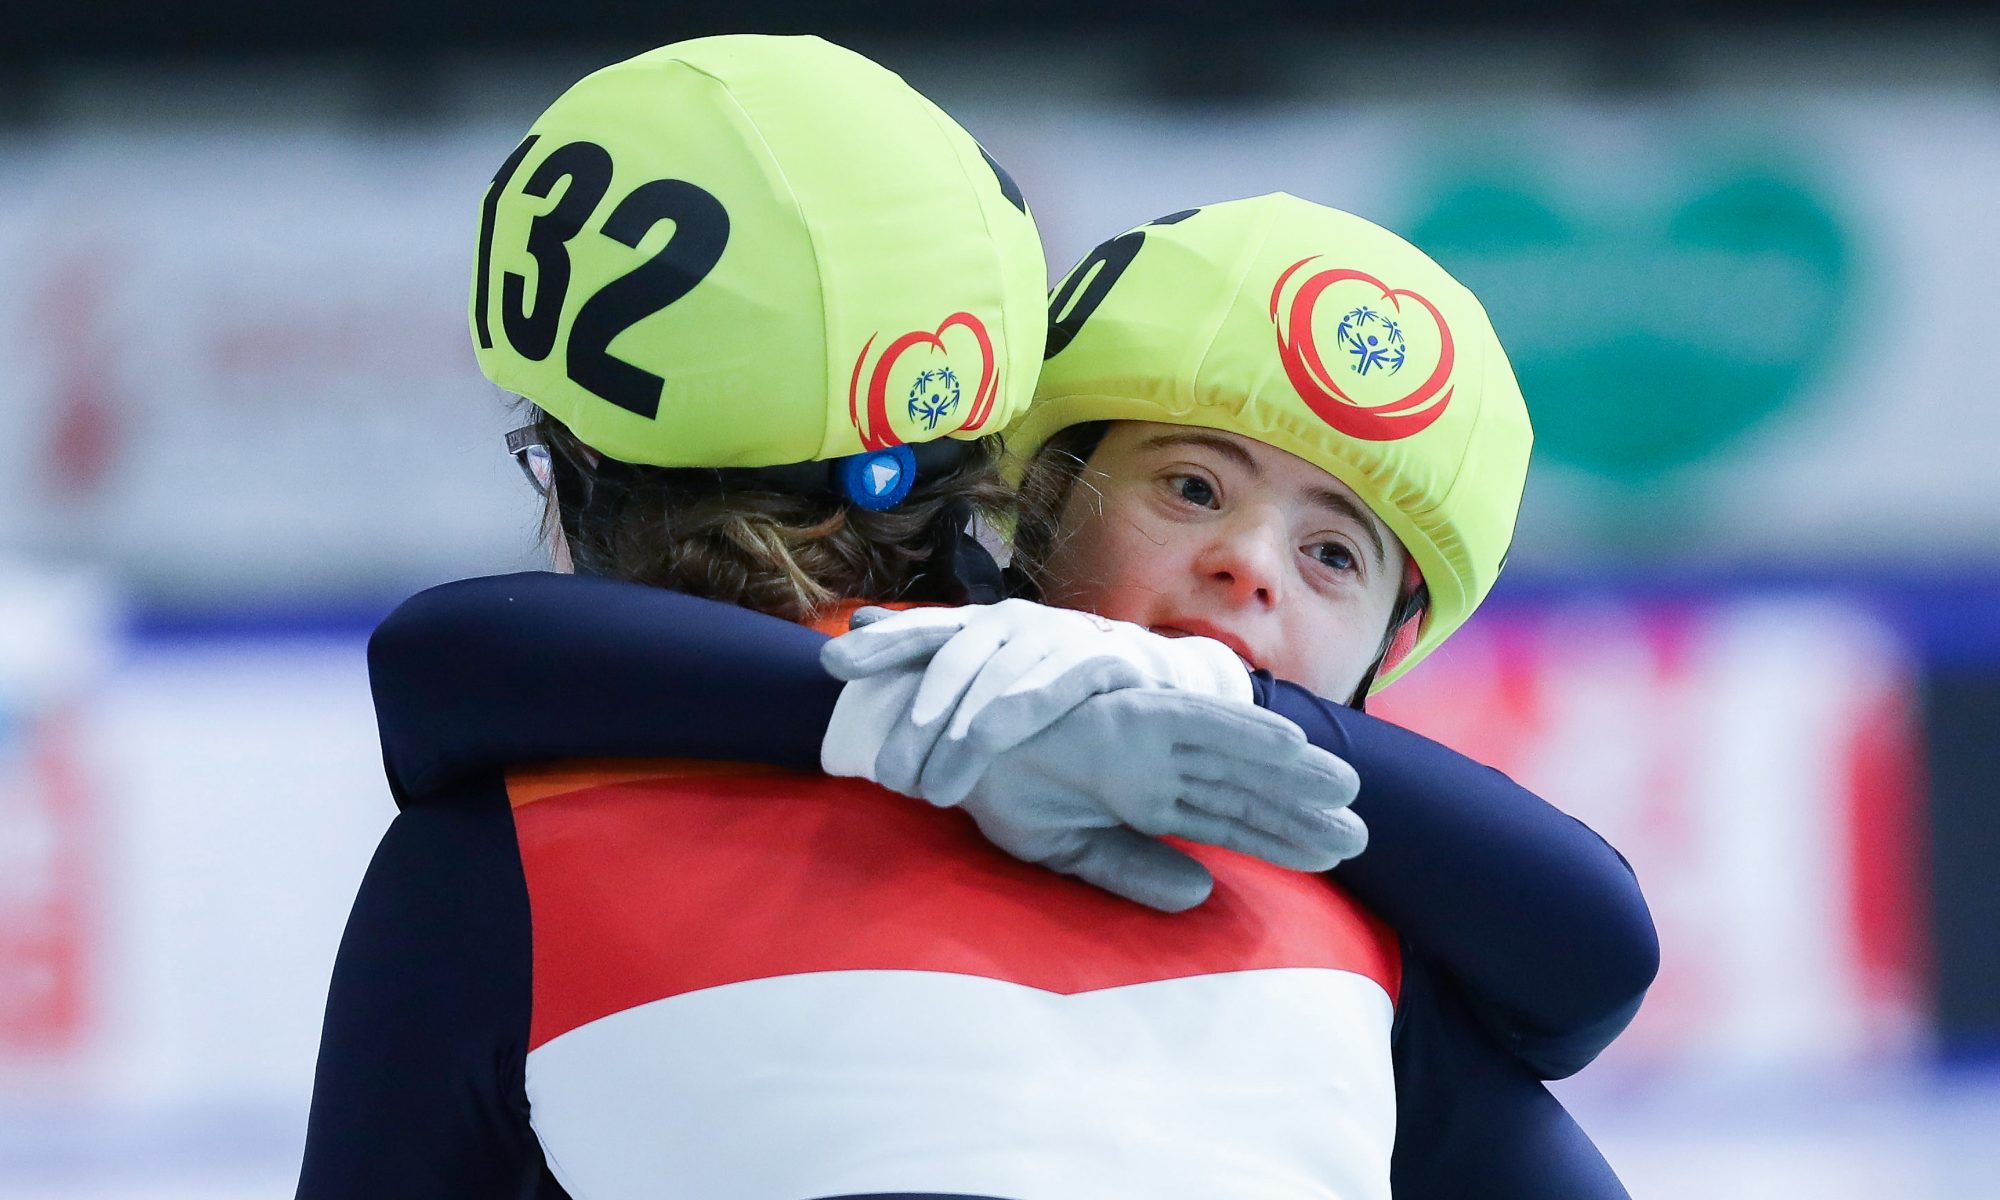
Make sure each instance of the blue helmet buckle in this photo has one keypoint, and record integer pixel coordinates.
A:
(877, 479)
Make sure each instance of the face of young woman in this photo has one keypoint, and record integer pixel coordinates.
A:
(1197, 531)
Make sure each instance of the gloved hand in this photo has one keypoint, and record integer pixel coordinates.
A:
(1090, 795)
(997, 674)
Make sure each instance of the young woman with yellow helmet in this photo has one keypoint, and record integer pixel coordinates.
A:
(1318, 334)
(1280, 426)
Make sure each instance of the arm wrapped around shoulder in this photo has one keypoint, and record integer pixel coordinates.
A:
(1078, 743)
(483, 673)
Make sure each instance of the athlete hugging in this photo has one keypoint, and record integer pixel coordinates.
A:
(678, 903)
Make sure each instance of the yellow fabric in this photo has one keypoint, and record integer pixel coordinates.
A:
(876, 283)
(1254, 316)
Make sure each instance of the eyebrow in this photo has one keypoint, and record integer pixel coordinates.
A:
(1221, 445)
(1324, 497)
(1345, 505)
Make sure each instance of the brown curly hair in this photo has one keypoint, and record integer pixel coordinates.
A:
(717, 533)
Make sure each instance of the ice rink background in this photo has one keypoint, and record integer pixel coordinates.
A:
(1744, 271)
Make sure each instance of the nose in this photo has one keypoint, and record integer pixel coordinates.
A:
(1246, 561)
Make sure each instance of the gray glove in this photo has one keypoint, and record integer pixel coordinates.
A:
(1090, 795)
(993, 675)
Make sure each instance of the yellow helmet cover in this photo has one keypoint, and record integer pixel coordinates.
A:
(1324, 335)
(746, 251)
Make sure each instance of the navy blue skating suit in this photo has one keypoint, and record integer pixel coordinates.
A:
(474, 1024)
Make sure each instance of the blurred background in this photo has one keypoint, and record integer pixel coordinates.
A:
(1744, 258)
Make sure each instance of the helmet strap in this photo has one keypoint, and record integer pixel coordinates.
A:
(959, 567)
(824, 477)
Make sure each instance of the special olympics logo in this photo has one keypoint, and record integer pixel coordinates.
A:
(936, 392)
(1373, 341)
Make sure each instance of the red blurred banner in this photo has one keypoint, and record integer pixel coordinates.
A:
(46, 891)
(1757, 762)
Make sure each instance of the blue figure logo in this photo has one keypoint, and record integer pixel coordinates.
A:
(1372, 339)
(934, 394)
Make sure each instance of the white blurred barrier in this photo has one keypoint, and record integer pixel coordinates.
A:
(55, 643)
(196, 820)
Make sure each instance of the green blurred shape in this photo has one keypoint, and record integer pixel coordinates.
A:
(1648, 336)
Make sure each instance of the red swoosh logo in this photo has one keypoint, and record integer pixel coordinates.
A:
(873, 423)
(1307, 370)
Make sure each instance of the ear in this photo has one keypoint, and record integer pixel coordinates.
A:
(1407, 625)
(1403, 638)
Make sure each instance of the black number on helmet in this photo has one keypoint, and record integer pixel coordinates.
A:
(1008, 188)
(481, 293)
(701, 230)
(1094, 277)
(587, 167)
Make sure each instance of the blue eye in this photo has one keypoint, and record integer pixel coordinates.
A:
(1195, 490)
(1334, 555)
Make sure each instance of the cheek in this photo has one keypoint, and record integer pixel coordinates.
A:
(1329, 650)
